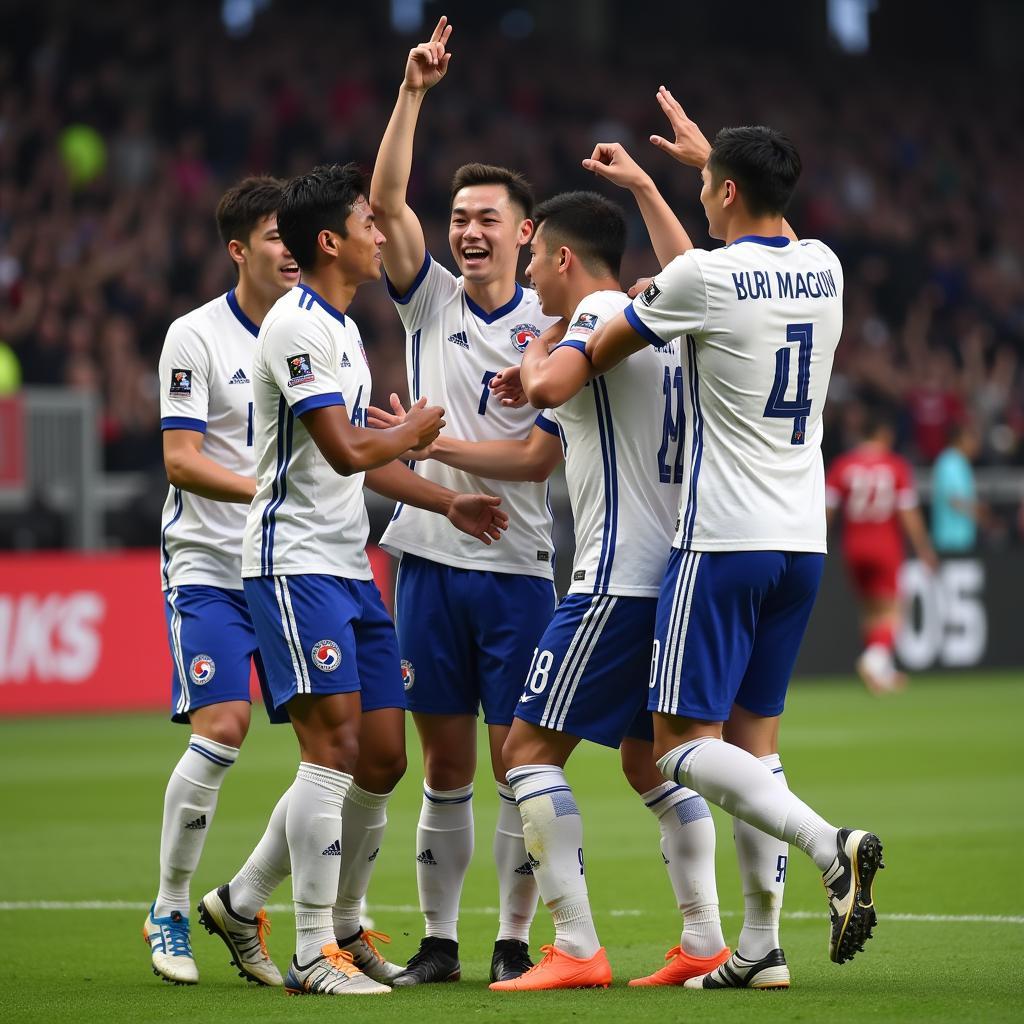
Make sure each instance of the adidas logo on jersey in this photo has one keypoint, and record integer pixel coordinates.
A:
(345, 361)
(239, 377)
(334, 850)
(526, 868)
(198, 823)
(426, 857)
(459, 338)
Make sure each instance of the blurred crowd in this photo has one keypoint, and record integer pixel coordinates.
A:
(119, 132)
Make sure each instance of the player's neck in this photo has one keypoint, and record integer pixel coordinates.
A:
(492, 295)
(584, 287)
(254, 304)
(762, 227)
(331, 287)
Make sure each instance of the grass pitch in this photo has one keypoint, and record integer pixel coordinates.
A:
(936, 771)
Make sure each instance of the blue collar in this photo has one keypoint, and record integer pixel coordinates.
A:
(490, 318)
(240, 314)
(325, 305)
(775, 241)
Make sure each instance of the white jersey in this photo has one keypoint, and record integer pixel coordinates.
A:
(454, 348)
(621, 445)
(305, 518)
(206, 385)
(761, 320)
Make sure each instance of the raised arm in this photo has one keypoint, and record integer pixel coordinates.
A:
(188, 468)
(668, 237)
(404, 251)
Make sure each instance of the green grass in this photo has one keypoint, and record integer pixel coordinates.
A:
(935, 771)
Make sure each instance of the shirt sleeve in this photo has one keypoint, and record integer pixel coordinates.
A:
(432, 288)
(300, 355)
(184, 379)
(673, 304)
(546, 423)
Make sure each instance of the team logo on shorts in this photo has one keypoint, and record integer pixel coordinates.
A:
(202, 669)
(326, 655)
(523, 334)
(181, 383)
(299, 369)
(408, 674)
(585, 322)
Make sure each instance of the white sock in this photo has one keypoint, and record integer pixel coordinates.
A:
(517, 888)
(763, 860)
(267, 867)
(688, 849)
(444, 848)
(365, 816)
(189, 803)
(313, 827)
(737, 782)
(553, 831)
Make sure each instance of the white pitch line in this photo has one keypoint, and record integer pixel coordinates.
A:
(408, 908)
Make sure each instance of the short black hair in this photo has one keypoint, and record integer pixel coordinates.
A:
(244, 205)
(313, 202)
(763, 162)
(592, 226)
(520, 191)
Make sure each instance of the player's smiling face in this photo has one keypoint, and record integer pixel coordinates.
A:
(542, 273)
(486, 232)
(360, 252)
(267, 259)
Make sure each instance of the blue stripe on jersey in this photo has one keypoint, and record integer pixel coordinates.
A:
(641, 328)
(183, 423)
(697, 447)
(416, 336)
(548, 426)
(240, 314)
(279, 488)
(611, 486)
(317, 402)
(403, 300)
(490, 318)
(580, 346)
(324, 304)
(178, 508)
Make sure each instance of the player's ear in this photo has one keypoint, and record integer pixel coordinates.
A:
(236, 250)
(564, 258)
(525, 232)
(729, 196)
(327, 242)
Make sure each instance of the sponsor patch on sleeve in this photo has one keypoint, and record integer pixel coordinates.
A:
(300, 370)
(585, 322)
(650, 293)
(181, 383)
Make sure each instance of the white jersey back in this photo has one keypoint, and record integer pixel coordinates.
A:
(761, 319)
(305, 518)
(454, 348)
(206, 385)
(621, 446)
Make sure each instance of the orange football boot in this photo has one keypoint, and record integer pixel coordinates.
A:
(681, 966)
(560, 970)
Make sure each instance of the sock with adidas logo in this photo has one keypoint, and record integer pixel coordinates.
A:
(267, 867)
(517, 888)
(444, 848)
(688, 849)
(365, 816)
(189, 802)
(313, 825)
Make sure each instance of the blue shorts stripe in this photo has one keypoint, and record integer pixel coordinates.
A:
(682, 628)
(607, 607)
(577, 645)
(670, 634)
(291, 633)
(675, 640)
(179, 660)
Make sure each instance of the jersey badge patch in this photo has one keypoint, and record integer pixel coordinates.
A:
(650, 293)
(326, 655)
(202, 669)
(585, 322)
(408, 674)
(299, 370)
(181, 383)
(522, 335)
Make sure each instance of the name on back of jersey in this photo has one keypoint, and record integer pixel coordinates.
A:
(757, 284)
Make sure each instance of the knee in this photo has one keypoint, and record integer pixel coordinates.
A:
(447, 769)
(227, 728)
(338, 751)
(383, 774)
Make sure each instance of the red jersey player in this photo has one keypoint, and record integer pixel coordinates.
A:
(875, 489)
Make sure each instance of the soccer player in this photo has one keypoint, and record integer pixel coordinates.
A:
(206, 417)
(761, 318)
(589, 675)
(327, 642)
(874, 488)
(468, 619)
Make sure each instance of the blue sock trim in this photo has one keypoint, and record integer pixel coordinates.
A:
(211, 756)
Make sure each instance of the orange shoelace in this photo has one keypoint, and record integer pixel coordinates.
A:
(371, 937)
(340, 958)
(263, 930)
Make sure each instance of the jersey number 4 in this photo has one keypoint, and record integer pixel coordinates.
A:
(799, 408)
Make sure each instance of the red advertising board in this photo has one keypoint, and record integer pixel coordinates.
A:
(87, 632)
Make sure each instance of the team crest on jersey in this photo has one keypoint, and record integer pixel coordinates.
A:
(523, 334)
(650, 293)
(300, 371)
(326, 655)
(181, 383)
(408, 674)
(202, 669)
(585, 322)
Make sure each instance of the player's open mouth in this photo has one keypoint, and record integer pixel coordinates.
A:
(472, 256)
(290, 270)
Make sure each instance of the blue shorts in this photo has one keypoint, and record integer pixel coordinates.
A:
(213, 645)
(589, 674)
(326, 634)
(467, 636)
(730, 624)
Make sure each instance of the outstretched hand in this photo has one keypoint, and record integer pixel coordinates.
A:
(610, 160)
(690, 146)
(479, 516)
(428, 62)
(507, 386)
